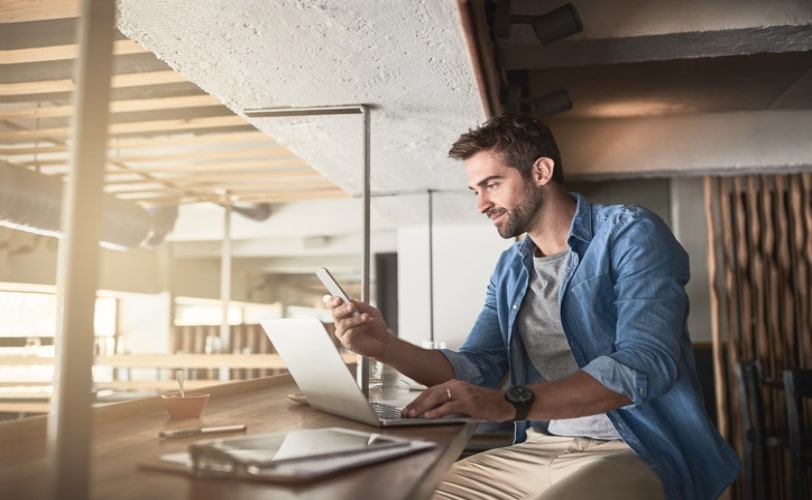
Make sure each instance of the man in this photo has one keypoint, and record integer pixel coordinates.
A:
(587, 316)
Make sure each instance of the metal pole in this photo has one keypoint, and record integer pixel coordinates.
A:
(431, 267)
(362, 374)
(69, 438)
(225, 282)
(363, 361)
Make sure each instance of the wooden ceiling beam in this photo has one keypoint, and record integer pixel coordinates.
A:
(198, 139)
(261, 166)
(62, 52)
(151, 127)
(132, 105)
(248, 184)
(123, 80)
(117, 143)
(246, 197)
(219, 155)
(111, 180)
(281, 164)
(21, 11)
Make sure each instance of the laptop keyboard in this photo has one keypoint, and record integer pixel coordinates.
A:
(385, 411)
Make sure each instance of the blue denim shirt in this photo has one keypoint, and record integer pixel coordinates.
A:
(624, 311)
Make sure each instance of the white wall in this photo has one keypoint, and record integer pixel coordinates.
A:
(464, 257)
(691, 229)
(144, 321)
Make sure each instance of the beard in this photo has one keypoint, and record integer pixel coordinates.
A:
(519, 218)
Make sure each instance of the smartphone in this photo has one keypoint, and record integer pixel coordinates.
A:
(332, 285)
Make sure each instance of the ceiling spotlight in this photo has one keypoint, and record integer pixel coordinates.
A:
(552, 103)
(546, 105)
(550, 27)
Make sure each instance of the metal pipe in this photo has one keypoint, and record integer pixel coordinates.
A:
(362, 373)
(350, 109)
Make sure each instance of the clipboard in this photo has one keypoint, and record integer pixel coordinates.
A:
(291, 457)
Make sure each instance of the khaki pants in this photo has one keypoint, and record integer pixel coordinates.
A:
(553, 467)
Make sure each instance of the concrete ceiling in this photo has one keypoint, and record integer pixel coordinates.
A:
(659, 88)
(408, 61)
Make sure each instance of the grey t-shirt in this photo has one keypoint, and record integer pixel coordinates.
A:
(539, 325)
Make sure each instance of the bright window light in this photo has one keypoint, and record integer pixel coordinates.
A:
(33, 314)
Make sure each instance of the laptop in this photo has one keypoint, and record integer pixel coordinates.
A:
(323, 377)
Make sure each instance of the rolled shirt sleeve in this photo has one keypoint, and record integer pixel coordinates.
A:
(618, 378)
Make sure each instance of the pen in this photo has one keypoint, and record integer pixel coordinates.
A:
(202, 430)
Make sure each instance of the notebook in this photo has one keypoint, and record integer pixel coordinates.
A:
(321, 374)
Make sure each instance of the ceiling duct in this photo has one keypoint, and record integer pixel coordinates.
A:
(254, 211)
(163, 222)
(545, 106)
(32, 202)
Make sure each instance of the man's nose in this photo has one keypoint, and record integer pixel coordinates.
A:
(483, 204)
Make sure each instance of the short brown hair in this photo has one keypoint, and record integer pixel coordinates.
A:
(520, 139)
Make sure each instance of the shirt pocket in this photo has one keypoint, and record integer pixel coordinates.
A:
(589, 310)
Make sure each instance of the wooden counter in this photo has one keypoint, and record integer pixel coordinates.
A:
(26, 396)
(126, 434)
(261, 361)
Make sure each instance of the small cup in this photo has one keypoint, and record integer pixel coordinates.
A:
(188, 406)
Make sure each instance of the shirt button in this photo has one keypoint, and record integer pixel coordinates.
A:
(515, 306)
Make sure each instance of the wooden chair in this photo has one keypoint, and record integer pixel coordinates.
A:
(756, 437)
(798, 387)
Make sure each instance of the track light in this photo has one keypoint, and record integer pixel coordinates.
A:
(550, 27)
(552, 103)
(546, 105)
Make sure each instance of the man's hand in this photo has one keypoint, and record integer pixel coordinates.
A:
(456, 397)
(364, 333)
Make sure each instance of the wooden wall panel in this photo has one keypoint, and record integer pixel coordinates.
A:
(760, 258)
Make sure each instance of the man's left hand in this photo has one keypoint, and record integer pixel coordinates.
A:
(456, 397)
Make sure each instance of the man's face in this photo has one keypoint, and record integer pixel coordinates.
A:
(509, 200)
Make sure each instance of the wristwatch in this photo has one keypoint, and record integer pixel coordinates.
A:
(521, 397)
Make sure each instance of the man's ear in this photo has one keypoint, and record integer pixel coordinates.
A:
(543, 170)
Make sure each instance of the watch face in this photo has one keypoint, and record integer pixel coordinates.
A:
(520, 394)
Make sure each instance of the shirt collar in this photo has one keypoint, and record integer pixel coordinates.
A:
(580, 229)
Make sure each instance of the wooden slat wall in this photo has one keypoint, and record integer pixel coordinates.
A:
(760, 257)
(245, 338)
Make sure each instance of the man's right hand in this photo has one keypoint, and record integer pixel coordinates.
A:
(364, 333)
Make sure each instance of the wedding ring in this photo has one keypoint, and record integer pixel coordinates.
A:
(448, 391)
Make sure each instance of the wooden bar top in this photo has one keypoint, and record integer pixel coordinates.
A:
(126, 435)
